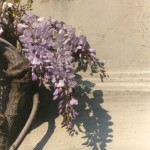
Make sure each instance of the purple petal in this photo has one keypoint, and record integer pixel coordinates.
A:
(74, 101)
(55, 98)
(61, 83)
(56, 92)
(34, 77)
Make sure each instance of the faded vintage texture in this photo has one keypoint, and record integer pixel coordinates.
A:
(120, 31)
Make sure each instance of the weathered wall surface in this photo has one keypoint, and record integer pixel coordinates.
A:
(119, 30)
(114, 115)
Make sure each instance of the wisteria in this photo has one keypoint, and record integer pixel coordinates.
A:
(52, 48)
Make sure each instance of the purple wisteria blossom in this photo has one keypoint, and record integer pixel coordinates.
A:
(74, 101)
(52, 48)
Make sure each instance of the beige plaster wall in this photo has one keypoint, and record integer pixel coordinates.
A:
(118, 29)
(116, 114)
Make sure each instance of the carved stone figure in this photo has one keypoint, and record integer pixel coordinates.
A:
(14, 91)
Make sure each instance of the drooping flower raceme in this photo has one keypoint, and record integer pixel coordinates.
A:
(53, 48)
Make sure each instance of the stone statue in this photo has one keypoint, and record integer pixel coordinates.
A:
(15, 85)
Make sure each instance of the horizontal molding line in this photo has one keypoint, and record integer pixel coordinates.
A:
(120, 81)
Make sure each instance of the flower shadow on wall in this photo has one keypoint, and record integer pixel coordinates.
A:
(94, 121)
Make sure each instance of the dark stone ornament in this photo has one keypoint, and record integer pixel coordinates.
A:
(15, 92)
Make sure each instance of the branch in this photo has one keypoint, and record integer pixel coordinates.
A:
(24, 131)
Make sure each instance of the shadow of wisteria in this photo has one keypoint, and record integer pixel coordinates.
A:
(94, 121)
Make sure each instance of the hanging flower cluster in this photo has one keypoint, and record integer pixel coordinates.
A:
(52, 48)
